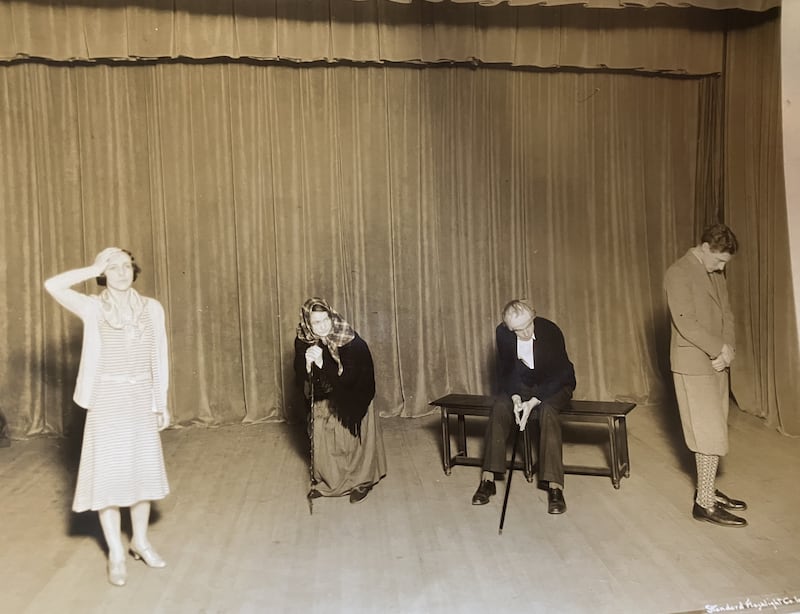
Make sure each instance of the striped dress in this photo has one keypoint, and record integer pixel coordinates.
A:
(121, 459)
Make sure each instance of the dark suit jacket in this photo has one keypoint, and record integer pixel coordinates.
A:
(552, 368)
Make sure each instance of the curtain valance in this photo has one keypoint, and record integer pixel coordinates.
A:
(746, 5)
(683, 41)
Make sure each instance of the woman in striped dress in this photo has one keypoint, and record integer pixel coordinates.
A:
(122, 382)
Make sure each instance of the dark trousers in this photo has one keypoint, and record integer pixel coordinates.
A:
(545, 417)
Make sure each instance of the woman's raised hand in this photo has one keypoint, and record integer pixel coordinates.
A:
(101, 260)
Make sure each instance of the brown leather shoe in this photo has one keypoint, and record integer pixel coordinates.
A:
(485, 490)
(555, 501)
(717, 515)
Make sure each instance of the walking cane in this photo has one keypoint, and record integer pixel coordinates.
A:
(508, 482)
(311, 442)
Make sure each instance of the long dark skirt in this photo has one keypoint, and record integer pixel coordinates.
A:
(341, 461)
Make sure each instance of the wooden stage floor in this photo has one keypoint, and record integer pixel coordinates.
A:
(238, 537)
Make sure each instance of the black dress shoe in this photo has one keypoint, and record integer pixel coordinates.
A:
(359, 493)
(555, 501)
(485, 490)
(725, 501)
(717, 515)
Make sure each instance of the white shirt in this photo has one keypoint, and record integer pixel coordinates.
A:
(525, 351)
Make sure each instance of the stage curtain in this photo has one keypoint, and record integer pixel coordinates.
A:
(765, 373)
(660, 39)
(416, 200)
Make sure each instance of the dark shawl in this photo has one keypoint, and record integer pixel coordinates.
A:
(350, 392)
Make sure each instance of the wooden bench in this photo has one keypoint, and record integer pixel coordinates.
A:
(610, 413)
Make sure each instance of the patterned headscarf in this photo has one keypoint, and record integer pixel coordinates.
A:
(341, 332)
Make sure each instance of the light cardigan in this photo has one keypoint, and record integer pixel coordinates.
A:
(89, 309)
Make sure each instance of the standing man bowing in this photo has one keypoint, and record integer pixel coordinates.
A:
(536, 378)
(701, 350)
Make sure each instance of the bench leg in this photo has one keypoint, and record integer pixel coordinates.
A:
(462, 436)
(614, 461)
(446, 441)
(622, 431)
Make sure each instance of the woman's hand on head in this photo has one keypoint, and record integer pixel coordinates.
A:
(101, 260)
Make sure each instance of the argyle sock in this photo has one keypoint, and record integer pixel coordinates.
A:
(706, 474)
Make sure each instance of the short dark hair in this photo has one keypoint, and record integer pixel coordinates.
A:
(101, 279)
(720, 238)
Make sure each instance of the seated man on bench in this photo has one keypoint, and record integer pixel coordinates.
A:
(535, 377)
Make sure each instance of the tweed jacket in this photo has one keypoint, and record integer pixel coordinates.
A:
(700, 315)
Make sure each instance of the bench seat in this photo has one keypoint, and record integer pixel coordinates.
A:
(610, 413)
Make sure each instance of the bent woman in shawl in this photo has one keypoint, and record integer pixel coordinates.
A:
(334, 366)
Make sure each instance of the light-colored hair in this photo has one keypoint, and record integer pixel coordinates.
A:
(517, 307)
(102, 281)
